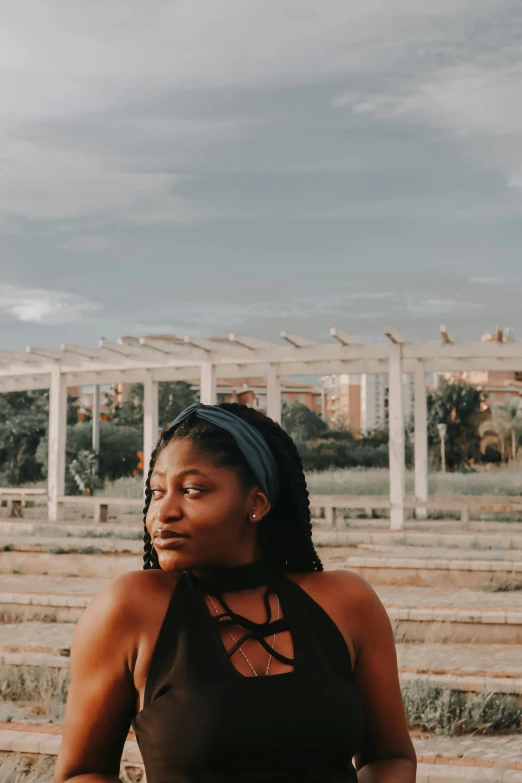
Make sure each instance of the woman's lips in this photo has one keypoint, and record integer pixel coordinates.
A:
(169, 539)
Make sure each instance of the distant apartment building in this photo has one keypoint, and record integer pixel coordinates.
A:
(85, 396)
(246, 391)
(360, 402)
(499, 385)
(252, 392)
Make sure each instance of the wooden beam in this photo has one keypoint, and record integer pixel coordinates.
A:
(200, 342)
(394, 336)
(343, 338)
(297, 341)
(397, 439)
(57, 437)
(44, 353)
(162, 346)
(446, 336)
(252, 343)
(18, 357)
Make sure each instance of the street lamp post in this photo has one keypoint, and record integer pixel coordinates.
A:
(442, 428)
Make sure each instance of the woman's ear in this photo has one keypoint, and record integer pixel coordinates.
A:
(259, 505)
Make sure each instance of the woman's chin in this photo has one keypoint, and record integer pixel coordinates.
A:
(171, 560)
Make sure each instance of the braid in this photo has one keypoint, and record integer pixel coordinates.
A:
(285, 533)
(150, 556)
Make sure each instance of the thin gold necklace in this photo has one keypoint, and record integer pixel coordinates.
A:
(240, 648)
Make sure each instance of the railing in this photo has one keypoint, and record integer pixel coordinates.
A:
(17, 499)
(464, 504)
(100, 504)
(327, 505)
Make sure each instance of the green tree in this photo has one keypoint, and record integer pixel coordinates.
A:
(505, 423)
(458, 405)
(118, 453)
(83, 471)
(173, 397)
(24, 419)
(302, 423)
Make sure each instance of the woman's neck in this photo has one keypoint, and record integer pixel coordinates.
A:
(242, 576)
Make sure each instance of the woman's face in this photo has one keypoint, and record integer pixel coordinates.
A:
(205, 510)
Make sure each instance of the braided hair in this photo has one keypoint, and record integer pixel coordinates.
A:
(285, 533)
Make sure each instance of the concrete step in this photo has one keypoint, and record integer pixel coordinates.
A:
(70, 544)
(58, 599)
(71, 564)
(441, 760)
(418, 613)
(477, 668)
(468, 668)
(432, 567)
(33, 638)
(62, 530)
(36, 743)
(427, 525)
(476, 541)
(443, 614)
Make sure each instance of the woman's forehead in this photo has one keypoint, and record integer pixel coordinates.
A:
(181, 454)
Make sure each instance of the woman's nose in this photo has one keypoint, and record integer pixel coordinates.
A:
(169, 507)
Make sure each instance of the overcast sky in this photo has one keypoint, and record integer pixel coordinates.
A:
(257, 165)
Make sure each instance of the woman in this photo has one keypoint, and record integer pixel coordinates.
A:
(234, 656)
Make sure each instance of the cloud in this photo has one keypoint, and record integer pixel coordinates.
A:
(488, 280)
(459, 74)
(427, 306)
(43, 307)
(104, 109)
(86, 243)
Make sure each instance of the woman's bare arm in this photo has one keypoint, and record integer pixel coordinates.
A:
(102, 697)
(387, 754)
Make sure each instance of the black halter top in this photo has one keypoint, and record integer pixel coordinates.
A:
(205, 722)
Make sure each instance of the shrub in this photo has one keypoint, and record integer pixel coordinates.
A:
(434, 707)
(118, 451)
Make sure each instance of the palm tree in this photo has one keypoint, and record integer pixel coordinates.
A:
(505, 422)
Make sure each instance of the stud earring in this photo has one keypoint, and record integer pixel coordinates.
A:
(254, 516)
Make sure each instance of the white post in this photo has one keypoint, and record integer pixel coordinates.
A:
(57, 439)
(207, 390)
(442, 428)
(96, 422)
(150, 420)
(273, 394)
(396, 432)
(421, 439)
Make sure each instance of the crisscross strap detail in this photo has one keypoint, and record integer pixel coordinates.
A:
(254, 630)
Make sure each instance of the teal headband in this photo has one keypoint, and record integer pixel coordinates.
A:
(250, 442)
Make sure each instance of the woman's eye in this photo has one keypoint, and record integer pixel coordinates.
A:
(190, 490)
(155, 493)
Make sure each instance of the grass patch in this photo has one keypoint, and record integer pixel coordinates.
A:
(89, 550)
(505, 585)
(442, 710)
(15, 768)
(375, 481)
(27, 616)
(44, 688)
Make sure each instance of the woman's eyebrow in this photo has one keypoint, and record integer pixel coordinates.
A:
(193, 472)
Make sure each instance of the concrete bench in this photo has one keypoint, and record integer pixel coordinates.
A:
(464, 504)
(15, 500)
(100, 505)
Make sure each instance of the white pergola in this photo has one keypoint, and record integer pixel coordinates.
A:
(150, 360)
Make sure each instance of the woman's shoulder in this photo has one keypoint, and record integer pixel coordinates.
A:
(136, 589)
(345, 585)
(131, 596)
(344, 594)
